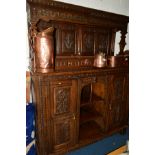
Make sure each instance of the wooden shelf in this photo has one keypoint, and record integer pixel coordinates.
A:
(85, 104)
(87, 135)
(97, 98)
(87, 113)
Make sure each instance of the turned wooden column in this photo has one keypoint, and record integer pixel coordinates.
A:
(122, 42)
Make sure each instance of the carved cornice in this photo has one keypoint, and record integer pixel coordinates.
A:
(52, 10)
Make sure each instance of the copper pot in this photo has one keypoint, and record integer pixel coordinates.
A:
(112, 61)
(44, 49)
(100, 60)
(119, 60)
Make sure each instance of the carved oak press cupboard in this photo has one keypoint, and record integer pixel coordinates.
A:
(76, 103)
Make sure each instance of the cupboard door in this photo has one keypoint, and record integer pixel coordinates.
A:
(117, 100)
(64, 112)
(63, 97)
(67, 40)
(64, 133)
(102, 41)
(88, 41)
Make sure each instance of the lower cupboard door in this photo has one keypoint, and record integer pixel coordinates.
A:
(64, 133)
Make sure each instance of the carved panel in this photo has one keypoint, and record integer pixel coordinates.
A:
(62, 134)
(118, 87)
(102, 42)
(62, 100)
(68, 42)
(88, 42)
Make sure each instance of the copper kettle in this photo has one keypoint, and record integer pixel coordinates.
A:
(44, 48)
(41, 47)
(100, 60)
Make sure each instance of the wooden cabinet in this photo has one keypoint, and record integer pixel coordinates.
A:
(76, 103)
(73, 112)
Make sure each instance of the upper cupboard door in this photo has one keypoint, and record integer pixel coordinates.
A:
(64, 97)
(102, 38)
(66, 40)
(87, 41)
(94, 40)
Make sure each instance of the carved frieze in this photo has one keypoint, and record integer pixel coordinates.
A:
(76, 63)
(55, 15)
(96, 15)
(37, 12)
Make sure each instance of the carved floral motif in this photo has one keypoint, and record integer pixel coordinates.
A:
(68, 42)
(62, 100)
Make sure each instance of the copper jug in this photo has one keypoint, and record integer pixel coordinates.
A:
(44, 50)
(100, 60)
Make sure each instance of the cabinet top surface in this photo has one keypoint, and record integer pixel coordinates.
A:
(83, 72)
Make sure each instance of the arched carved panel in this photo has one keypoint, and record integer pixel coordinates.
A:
(62, 100)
